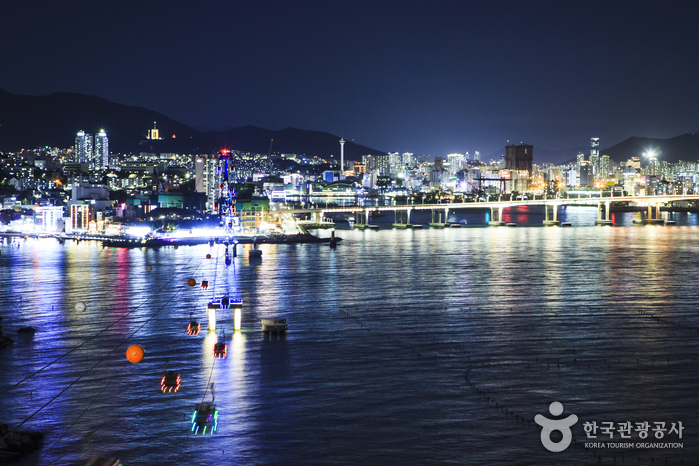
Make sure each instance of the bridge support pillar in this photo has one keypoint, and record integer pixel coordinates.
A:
(402, 219)
(438, 222)
(600, 219)
(359, 220)
(653, 221)
(553, 222)
(493, 222)
(211, 314)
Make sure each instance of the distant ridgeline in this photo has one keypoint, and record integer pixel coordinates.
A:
(28, 122)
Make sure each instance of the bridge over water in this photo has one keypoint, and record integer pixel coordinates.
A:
(441, 211)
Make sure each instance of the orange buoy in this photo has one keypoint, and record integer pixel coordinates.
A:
(208, 256)
(135, 353)
(191, 282)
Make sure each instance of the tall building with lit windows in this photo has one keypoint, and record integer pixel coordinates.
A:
(101, 156)
(207, 178)
(594, 156)
(604, 166)
(83, 147)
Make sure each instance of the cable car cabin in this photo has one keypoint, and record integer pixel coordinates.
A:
(220, 350)
(228, 259)
(104, 462)
(205, 418)
(193, 328)
(204, 285)
(170, 382)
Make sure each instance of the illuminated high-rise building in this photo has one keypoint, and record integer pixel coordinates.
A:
(83, 147)
(208, 178)
(594, 156)
(456, 162)
(376, 163)
(101, 157)
(585, 173)
(395, 162)
(604, 166)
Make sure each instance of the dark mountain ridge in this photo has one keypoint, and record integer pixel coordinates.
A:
(28, 122)
(290, 141)
(684, 147)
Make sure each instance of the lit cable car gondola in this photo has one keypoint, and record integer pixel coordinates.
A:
(193, 327)
(205, 417)
(170, 383)
(220, 350)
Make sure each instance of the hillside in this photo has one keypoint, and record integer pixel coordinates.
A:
(289, 141)
(53, 120)
(36, 121)
(684, 147)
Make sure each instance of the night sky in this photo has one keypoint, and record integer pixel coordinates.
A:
(411, 76)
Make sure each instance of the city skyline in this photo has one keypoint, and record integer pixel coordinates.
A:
(398, 77)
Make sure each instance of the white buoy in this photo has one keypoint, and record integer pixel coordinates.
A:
(80, 306)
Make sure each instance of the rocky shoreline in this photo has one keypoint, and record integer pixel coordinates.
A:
(16, 445)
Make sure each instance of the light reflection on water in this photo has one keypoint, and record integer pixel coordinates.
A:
(382, 330)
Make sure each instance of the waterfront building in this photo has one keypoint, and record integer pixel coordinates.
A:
(51, 218)
(80, 214)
